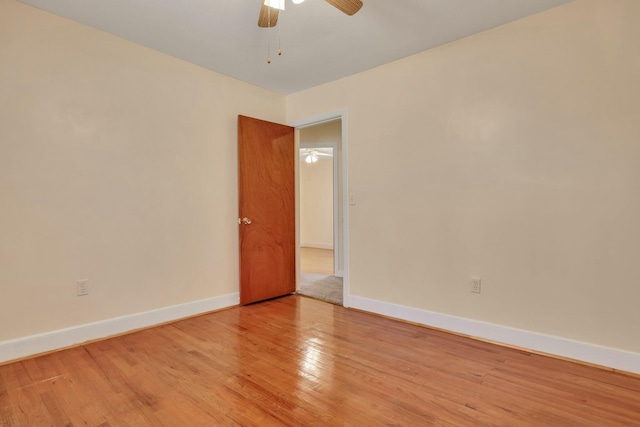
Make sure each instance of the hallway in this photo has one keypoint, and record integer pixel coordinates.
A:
(316, 277)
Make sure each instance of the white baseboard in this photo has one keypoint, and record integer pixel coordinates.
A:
(576, 350)
(339, 273)
(61, 338)
(317, 245)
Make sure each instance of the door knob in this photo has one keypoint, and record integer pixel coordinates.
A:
(244, 220)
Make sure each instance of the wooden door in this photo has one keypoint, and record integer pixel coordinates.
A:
(267, 209)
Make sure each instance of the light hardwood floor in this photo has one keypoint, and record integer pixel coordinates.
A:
(316, 261)
(299, 361)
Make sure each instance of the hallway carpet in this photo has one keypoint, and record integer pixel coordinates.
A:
(321, 286)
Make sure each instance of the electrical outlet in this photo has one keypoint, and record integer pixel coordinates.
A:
(82, 287)
(475, 286)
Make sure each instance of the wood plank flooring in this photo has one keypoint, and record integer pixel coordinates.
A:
(299, 361)
(316, 261)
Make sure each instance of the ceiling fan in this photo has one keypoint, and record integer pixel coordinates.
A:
(310, 155)
(269, 14)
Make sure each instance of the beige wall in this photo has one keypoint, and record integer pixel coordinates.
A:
(316, 203)
(513, 156)
(118, 165)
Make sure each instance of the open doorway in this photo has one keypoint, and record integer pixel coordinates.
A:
(321, 261)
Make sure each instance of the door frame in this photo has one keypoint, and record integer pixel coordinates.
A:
(337, 252)
(340, 114)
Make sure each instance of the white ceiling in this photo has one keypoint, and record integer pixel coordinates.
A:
(319, 43)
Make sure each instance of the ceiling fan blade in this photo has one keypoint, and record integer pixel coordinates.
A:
(266, 19)
(304, 153)
(350, 7)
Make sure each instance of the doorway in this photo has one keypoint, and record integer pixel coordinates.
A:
(320, 236)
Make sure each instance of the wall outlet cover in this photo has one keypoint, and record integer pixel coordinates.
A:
(82, 287)
(475, 286)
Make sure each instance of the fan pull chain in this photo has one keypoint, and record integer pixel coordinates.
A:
(268, 38)
(279, 50)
